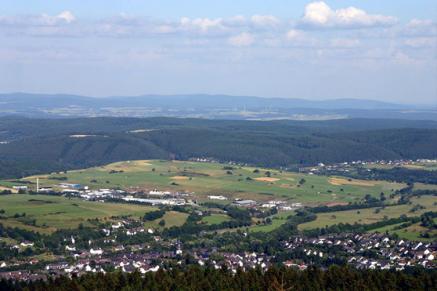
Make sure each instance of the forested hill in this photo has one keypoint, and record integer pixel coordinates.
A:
(31, 146)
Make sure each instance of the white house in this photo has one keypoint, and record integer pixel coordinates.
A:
(217, 197)
(96, 252)
(27, 244)
(71, 249)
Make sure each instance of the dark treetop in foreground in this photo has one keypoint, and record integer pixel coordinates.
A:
(195, 278)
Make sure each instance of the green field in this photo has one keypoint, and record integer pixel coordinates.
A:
(215, 218)
(386, 228)
(423, 166)
(277, 220)
(411, 232)
(171, 218)
(368, 216)
(421, 186)
(212, 178)
(55, 212)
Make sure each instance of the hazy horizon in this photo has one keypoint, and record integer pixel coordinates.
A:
(145, 95)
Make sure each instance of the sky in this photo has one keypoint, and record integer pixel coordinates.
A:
(372, 49)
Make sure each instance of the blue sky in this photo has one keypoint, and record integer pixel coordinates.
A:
(404, 9)
(383, 50)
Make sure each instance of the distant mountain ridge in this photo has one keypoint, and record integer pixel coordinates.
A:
(195, 100)
(205, 106)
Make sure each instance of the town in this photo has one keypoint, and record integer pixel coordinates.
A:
(363, 251)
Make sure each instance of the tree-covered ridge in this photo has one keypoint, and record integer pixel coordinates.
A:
(35, 146)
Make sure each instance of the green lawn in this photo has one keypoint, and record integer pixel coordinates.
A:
(413, 233)
(171, 218)
(421, 186)
(386, 228)
(277, 220)
(368, 216)
(56, 212)
(212, 179)
(423, 166)
(215, 218)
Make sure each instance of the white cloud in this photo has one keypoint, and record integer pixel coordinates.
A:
(294, 34)
(131, 26)
(237, 20)
(272, 42)
(299, 38)
(202, 24)
(416, 23)
(124, 25)
(60, 25)
(420, 27)
(421, 42)
(319, 14)
(243, 39)
(265, 20)
(67, 16)
(344, 43)
(402, 58)
(64, 17)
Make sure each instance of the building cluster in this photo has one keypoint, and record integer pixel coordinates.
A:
(244, 261)
(348, 166)
(363, 251)
(101, 194)
(166, 201)
(368, 251)
(152, 197)
(126, 262)
(217, 197)
(143, 262)
(282, 205)
(22, 275)
(80, 191)
(278, 204)
(110, 253)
